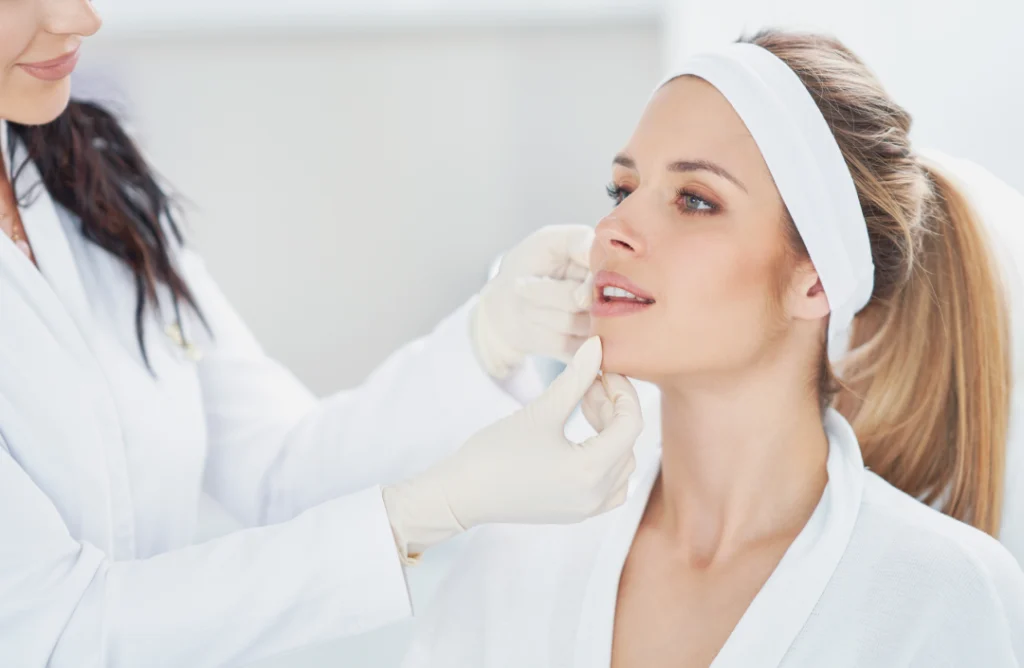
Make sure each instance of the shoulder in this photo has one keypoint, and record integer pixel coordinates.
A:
(918, 580)
(923, 545)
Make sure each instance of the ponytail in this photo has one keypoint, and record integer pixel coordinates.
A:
(91, 167)
(926, 384)
(928, 391)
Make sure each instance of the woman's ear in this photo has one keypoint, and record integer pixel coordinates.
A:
(807, 300)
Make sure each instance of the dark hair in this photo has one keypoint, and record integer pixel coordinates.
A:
(91, 167)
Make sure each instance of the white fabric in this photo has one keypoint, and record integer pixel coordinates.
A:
(874, 579)
(523, 468)
(808, 167)
(102, 466)
(1002, 210)
(521, 314)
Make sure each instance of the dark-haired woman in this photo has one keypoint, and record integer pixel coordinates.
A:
(128, 386)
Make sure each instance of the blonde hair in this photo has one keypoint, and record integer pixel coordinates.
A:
(926, 384)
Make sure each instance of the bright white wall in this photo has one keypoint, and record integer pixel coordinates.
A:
(956, 65)
(161, 16)
(351, 190)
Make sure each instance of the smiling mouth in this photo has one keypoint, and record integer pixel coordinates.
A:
(53, 70)
(613, 294)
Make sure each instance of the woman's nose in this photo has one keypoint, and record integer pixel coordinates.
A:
(71, 17)
(616, 236)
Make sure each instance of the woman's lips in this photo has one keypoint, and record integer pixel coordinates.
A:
(607, 307)
(617, 307)
(53, 70)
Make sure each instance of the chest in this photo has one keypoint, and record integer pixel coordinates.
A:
(108, 440)
(669, 613)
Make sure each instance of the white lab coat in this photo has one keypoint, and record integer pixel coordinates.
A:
(102, 465)
(874, 579)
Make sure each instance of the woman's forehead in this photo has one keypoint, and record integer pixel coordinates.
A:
(688, 118)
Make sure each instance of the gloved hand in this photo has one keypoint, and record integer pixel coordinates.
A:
(539, 302)
(523, 469)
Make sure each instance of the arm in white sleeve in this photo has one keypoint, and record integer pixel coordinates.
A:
(330, 572)
(275, 450)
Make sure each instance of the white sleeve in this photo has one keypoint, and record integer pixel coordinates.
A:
(330, 572)
(982, 619)
(1008, 588)
(275, 450)
(453, 629)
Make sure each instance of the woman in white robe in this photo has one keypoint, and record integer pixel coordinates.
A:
(874, 579)
(767, 197)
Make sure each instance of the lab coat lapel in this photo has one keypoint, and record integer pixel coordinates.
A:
(597, 617)
(53, 253)
(782, 607)
(55, 292)
(54, 289)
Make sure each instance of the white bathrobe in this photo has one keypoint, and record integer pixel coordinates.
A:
(874, 579)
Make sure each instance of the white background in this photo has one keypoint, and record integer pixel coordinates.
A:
(202, 15)
(353, 167)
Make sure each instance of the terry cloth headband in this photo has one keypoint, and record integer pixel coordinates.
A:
(808, 168)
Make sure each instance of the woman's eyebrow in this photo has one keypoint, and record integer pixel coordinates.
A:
(705, 166)
(685, 166)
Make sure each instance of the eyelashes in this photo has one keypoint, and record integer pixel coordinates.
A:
(616, 193)
(687, 201)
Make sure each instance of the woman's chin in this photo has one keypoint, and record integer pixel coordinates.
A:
(40, 107)
(627, 359)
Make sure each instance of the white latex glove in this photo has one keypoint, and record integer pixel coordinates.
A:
(539, 302)
(523, 469)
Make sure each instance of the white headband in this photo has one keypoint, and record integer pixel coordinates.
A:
(808, 168)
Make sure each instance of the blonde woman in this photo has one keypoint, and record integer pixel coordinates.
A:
(771, 214)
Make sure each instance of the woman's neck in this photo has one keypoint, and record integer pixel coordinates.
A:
(741, 464)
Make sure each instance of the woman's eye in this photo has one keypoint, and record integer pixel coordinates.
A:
(616, 193)
(695, 204)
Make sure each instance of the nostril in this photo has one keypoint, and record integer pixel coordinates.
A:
(621, 244)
